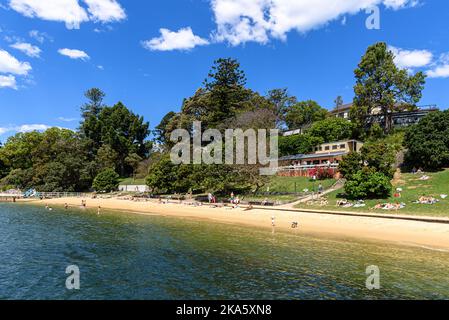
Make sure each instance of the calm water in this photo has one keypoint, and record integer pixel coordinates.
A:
(126, 256)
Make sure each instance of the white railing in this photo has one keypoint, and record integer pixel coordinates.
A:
(11, 195)
(58, 195)
(307, 167)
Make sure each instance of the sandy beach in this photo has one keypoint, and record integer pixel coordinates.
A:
(415, 233)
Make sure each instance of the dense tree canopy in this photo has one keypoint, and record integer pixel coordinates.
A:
(304, 113)
(332, 129)
(428, 142)
(64, 160)
(54, 160)
(298, 144)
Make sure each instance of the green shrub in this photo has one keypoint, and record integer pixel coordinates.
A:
(368, 185)
(106, 181)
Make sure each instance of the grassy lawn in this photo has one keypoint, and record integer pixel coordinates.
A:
(287, 184)
(132, 182)
(413, 188)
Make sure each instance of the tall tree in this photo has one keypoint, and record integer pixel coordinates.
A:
(381, 85)
(282, 102)
(226, 85)
(161, 129)
(90, 127)
(304, 113)
(125, 132)
(338, 102)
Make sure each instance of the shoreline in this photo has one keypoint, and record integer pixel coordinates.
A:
(402, 232)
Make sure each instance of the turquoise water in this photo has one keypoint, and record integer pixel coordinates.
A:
(127, 256)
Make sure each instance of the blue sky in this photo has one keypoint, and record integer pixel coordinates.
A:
(51, 51)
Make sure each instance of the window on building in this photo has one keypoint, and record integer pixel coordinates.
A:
(327, 148)
(335, 147)
(342, 146)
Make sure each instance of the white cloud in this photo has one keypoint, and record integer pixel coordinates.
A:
(24, 128)
(105, 10)
(183, 39)
(440, 68)
(74, 54)
(439, 72)
(31, 127)
(70, 11)
(9, 64)
(8, 82)
(39, 36)
(240, 21)
(67, 11)
(409, 59)
(63, 119)
(28, 49)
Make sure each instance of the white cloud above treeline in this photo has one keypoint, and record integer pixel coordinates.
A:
(183, 39)
(71, 12)
(425, 60)
(74, 54)
(10, 64)
(440, 68)
(8, 82)
(27, 48)
(241, 21)
(10, 67)
(24, 128)
(409, 59)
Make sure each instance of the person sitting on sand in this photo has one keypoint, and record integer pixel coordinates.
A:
(248, 208)
(294, 225)
(66, 206)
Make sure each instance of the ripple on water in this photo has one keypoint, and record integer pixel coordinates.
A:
(127, 256)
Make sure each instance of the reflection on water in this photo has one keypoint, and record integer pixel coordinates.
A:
(127, 256)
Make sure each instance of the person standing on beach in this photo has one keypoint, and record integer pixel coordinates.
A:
(273, 222)
(98, 211)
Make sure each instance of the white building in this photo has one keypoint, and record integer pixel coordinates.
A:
(133, 188)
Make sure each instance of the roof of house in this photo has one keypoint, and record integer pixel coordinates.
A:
(342, 108)
(312, 156)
